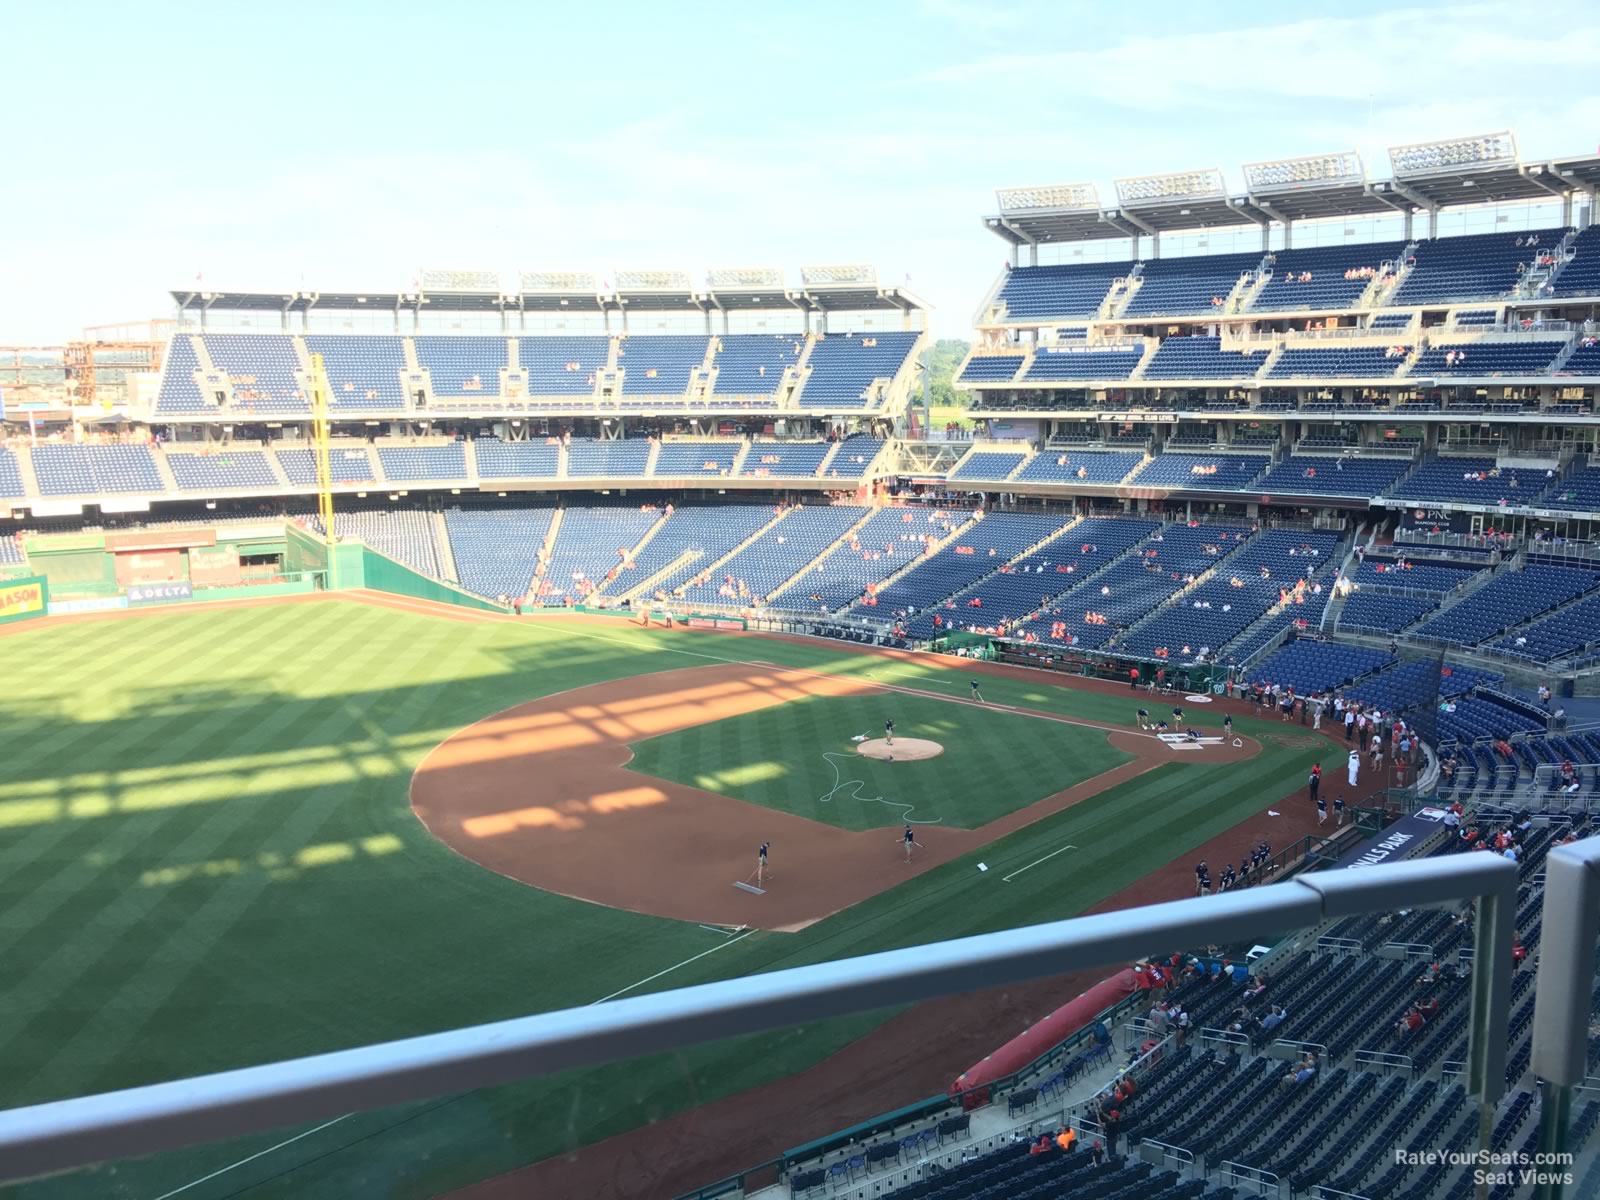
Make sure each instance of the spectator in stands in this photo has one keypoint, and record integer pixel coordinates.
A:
(1099, 1152)
(1411, 1022)
(1304, 1072)
(1275, 1017)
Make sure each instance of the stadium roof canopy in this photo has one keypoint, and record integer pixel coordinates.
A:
(1426, 176)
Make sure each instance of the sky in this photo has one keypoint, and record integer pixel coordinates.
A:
(345, 145)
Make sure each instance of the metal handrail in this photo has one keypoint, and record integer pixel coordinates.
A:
(66, 1134)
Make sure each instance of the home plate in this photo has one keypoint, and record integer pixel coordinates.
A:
(901, 749)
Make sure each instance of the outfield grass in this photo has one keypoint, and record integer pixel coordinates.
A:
(799, 758)
(207, 860)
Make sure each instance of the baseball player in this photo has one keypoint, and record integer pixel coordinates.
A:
(910, 840)
(1161, 726)
(1202, 879)
(888, 731)
(1177, 717)
(1322, 810)
(1338, 809)
(976, 694)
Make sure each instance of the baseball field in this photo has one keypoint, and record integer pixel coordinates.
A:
(230, 835)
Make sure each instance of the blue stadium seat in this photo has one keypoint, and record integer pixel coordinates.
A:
(83, 470)
(1522, 356)
(404, 463)
(696, 459)
(698, 537)
(1327, 288)
(991, 368)
(10, 475)
(1576, 491)
(1060, 290)
(843, 367)
(462, 365)
(179, 393)
(403, 534)
(1337, 362)
(660, 364)
(1581, 276)
(261, 367)
(989, 465)
(215, 470)
(497, 550)
(855, 455)
(348, 463)
(1201, 358)
(1475, 267)
(1080, 466)
(752, 364)
(1059, 363)
(1508, 599)
(1314, 475)
(888, 541)
(588, 457)
(776, 557)
(790, 460)
(1186, 286)
(1469, 481)
(363, 370)
(563, 364)
(1201, 472)
(538, 459)
(1312, 667)
(589, 544)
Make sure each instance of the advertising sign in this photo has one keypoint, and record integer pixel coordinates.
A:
(1397, 841)
(23, 599)
(160, 593)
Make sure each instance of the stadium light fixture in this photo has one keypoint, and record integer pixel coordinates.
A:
(843, 275)
(652, 281)
(1055, 197)
(1296, 173)
(1178, 185)
(460, 281)
(557, 281)
(745, 279)
(1431, 158)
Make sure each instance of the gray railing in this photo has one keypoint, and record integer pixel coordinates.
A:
(67, 1134)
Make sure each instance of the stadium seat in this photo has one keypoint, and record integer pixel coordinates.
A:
(789, 460)
(216, 470)
(780, 554)
(83, 470)
(1474, 267)
(462, 365)
(1079, 466)
(752, 364)
(10, 475)
(261, 367)
(889, 540)
(592, 458)
(348, 463)
(660, 364)
(1201, 472)
(1337, 362)
(991, 368)
(179, 393)
(1314, 475)
(1287, 291)
(1060, 290)
(844, 366)
(563, 365)
(1507, 600)
(1201, 358)
(1532, 356)
(406, 463)
(1088, 362)
(497, 550)
(696, 459)
(1581, 276)
(989, 465)
(1174, 287)
(590, 544)
(363, 370)
(537, 459)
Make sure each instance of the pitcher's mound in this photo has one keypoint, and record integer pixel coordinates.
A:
(903, 750)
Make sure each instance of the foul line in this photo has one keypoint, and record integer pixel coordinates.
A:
(347, 1116)
(1035, 863)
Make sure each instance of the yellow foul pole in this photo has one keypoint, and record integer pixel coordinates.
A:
(319, 413)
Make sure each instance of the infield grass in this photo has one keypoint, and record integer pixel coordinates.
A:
(208, 860)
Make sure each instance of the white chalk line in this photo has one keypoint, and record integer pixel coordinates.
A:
(327, 1124)
(1035, 863)
(840, 783)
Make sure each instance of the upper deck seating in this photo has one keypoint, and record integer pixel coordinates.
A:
(660, 364)
(363, 370)
(1288, 289)
(1187, 286)
(563, 364)
(261, 367)
(462, 365)
(752, 364)
(1060, 290)
(537, 459)
(404, 463)
(701, 459)
(1581, 276)
(843, 367)
(791, 460)
(592, 458)
(1475, 267)
(214, 470)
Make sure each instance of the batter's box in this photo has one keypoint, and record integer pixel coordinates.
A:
(1181, 741)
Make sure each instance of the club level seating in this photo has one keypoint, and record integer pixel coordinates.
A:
(261, 367)
(405, 463)
(1415, 684)
(1391, 320)
(10, 475)
(74, 470)
(1336, 362)
(179, 392)
(991, 465)
(1174, 287)
(696, 458)
(843, 368)
(1470, 481)
(777, 556)
(1248, 583)
(538, 459)
(1379, 570)
(363, 370)
(1384, 612)
(890, 539)
(590, 543)
(462, 366)
(1268, 439)
(1314, 668)
(220, 469)
(1327, 288)
(1507, 600)
(1581, 276)
(1306, 474)
(1585, 360)
(1201, 472)
(991, 368)
(590, 458)
(1560, 635)
(752, 364)
(1476, 267)
(1531, 357)
(1477, 316)
(563, 365)
(1060, 290)
(981, 548)
(1080, 466)
(699, 536)
(1035, 581)
(1201, 358)
(1057, 363)
(347, 464)
(791, 460)
(1577, 491)
(855, 455)
(403, 534)
(496, 551)
(659, 364)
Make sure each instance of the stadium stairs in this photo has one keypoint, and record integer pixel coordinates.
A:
(652, 458)
(30, 481)
(969, 589)
(799, 575)
(441, 541)
(711, 567)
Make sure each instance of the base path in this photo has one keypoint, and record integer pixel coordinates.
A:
(542, 793)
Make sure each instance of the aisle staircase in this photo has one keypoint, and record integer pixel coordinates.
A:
(841, 540)
(447, 558)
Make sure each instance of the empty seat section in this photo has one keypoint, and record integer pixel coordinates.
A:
(1201, 358)
(752, 364)
(1411, 684)
(1391, 321)
(1585, 360)
(424, 462)
(843, 367)
(67, 470)
(1289, 289)
(1476, 267)
(1342, 362)
(792, 460)
(776, 556)
(1311, 668)
(1411, 574)
(855, 455)
(10, 550)
(1561, 635)
(591, 544)
(1470, 481)
(1384, 612)
(889, 540)
(10, 475)
(693, 539)
(660, 364)
(538, 459)
(1187, 286)
(563, 365)
(1531, 357)
(496, 551)
(462, 365)
(406, 535)
(1058, 363)
(1202, 472)
(347, 464)
(981, 548)
(687, 459)
(1507, 600)
(993, 465)
(261, 368)
(363, 370)
(1581, 276)
(609, 460)
(179, 392)
(1060, 290)
(1315, 475)
(1477, 316)
(991, 368)
(1080, 466)
(1578, 490)
(218, 470)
